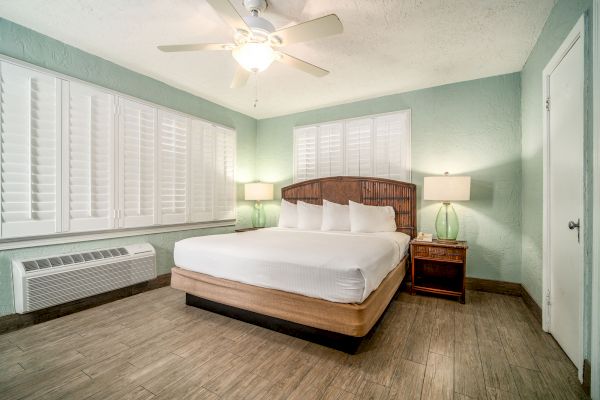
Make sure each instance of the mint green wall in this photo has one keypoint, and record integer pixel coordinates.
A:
(26, 45)
(470, 128)
(562, 19)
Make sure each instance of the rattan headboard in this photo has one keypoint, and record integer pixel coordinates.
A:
(401, 196)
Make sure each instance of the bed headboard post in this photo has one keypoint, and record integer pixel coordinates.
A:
(401, 196)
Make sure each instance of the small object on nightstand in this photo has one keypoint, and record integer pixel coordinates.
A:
(439, 267)
(246, 229)
(424, 237)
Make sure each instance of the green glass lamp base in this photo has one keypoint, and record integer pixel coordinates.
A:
(259, 218)
(446, 223)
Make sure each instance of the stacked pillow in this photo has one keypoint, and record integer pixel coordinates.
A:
(354, 217)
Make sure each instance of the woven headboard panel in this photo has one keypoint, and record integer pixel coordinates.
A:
(401, 196)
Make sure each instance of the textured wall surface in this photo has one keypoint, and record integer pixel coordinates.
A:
(470, 128)
(26, 45)
(560, 22)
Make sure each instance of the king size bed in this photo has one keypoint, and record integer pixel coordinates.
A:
(330, 287)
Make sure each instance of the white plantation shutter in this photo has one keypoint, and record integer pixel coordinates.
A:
(75, 157)
(202, 171)
(224, 188)
(305, 153)
(172, 182)
(392, 146)
(330, 152)
(377, 145)
(359, 146)
(30, 152)
(137, 136)
(88, 158)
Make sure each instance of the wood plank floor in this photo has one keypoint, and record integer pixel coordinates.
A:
(152, 346)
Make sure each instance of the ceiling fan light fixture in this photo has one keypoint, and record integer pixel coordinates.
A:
(254, 57)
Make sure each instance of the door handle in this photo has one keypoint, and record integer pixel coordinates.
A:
(575, 225)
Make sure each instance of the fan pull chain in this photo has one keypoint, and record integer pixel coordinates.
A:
(255, 89)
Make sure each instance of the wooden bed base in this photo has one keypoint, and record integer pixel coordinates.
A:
(337, 325)
(338, 341)
(355, 320)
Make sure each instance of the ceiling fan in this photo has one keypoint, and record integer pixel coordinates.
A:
(256, 41)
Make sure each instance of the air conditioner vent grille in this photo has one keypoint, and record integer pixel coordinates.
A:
(30, 265)
(49, 290)
(60, 261)
(62, 278)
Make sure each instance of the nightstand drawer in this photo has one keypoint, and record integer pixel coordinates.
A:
(438, 252)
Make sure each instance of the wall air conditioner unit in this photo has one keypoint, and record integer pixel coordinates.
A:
(47, 281)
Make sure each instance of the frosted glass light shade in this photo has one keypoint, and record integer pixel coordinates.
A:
(254, 57)
(258, 191)
(447, 188)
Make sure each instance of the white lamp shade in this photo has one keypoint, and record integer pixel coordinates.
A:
(258, 191)
(447, 188)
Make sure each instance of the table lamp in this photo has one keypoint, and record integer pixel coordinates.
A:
(258, 191)
(446, 189)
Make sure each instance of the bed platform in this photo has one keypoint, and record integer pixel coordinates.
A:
(338, 325)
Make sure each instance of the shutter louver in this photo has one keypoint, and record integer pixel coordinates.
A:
(359, 145)
(172, 186)
(89, 141)
(202, 171)
(330, 151)
(224, 195)
(137, 127)
(30, 149)
(305, 147)
(392, 146)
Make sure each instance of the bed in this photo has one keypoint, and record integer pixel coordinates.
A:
(327, 287)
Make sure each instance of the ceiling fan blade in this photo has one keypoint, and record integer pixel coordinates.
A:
(240, 78)
(229, 14)
(301, 65)
(196, 47)
(309, 30)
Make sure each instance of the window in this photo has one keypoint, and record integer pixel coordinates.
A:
(377, 145)
(89, 163)
(79, 158)
(173, 132)
(137, 163)
(30, 152)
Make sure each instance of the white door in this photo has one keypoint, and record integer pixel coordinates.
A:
(565, 199)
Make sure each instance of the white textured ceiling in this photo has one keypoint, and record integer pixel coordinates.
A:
(388, 46)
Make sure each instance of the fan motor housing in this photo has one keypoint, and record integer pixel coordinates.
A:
(255, 5)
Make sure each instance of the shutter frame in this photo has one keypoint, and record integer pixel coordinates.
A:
(137, 129)
(32, 208)
(173, 130)
(74, 181)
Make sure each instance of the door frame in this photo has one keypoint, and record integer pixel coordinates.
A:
(577, 33)
(595, 286)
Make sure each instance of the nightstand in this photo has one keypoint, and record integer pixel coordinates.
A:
(439, 267)
(246, 229)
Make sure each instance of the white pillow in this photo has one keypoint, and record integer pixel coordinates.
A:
(372, 218)
(288, 215)
(310, 216)
(336, 217)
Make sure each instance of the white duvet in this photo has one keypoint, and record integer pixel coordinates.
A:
(342, 267)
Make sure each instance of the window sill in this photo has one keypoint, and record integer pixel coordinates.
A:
(60, 238)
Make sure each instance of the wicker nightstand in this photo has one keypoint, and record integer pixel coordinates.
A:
(439, 267)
